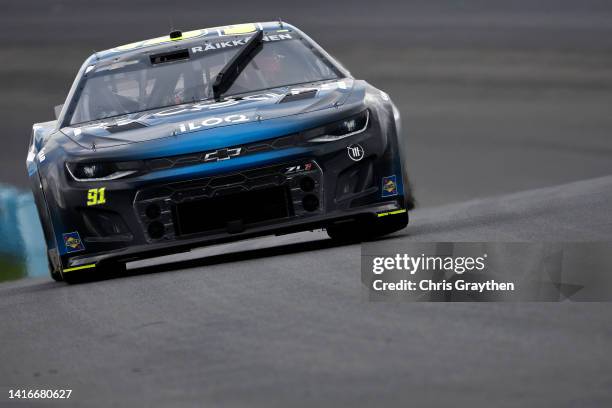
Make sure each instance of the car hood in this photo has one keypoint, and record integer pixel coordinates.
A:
(205, 115)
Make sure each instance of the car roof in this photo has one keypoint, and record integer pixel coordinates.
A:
(189, 37)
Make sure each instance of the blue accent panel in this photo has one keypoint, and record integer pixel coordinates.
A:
(221, 137)
(226, 166)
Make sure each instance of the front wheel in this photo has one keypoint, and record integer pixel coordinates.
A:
(367, 228)
(56, 275)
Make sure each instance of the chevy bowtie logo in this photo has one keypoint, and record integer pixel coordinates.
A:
(222, 154)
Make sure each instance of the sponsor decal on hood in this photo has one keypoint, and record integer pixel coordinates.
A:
(204, 115)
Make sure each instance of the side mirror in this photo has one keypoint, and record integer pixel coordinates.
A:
(58, 110)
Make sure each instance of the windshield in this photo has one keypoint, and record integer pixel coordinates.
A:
(134, 86)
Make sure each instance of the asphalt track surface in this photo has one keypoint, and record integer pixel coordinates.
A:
(496, 97)
(284, 321)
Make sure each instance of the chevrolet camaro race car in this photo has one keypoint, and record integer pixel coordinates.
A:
(210, 136)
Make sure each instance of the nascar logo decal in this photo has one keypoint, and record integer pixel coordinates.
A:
(72, 242)
(389, 186)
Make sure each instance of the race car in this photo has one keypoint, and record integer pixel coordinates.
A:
(210, 136)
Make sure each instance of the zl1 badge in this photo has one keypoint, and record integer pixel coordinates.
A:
(72, 242)
(389, 186)
(96, 196)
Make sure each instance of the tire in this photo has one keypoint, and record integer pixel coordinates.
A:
(367, 228)
(55, 274)
(76, 277)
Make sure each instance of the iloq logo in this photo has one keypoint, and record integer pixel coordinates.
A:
(213, 121)
(355, 152)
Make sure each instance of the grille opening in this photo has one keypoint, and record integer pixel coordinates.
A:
(153, 211)
(156, 230)
(103, 223)
(226, 211)
(310, 202)
(227, 180)
(307, 184)
(355, 179)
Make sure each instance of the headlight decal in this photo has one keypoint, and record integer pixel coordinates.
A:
(342, 129)
(101, 171)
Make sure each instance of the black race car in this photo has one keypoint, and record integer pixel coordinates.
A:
(209, 136)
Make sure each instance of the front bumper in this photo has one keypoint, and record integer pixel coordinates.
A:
(296, 190)
(138, 252)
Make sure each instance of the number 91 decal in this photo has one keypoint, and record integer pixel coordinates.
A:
(96, 196)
